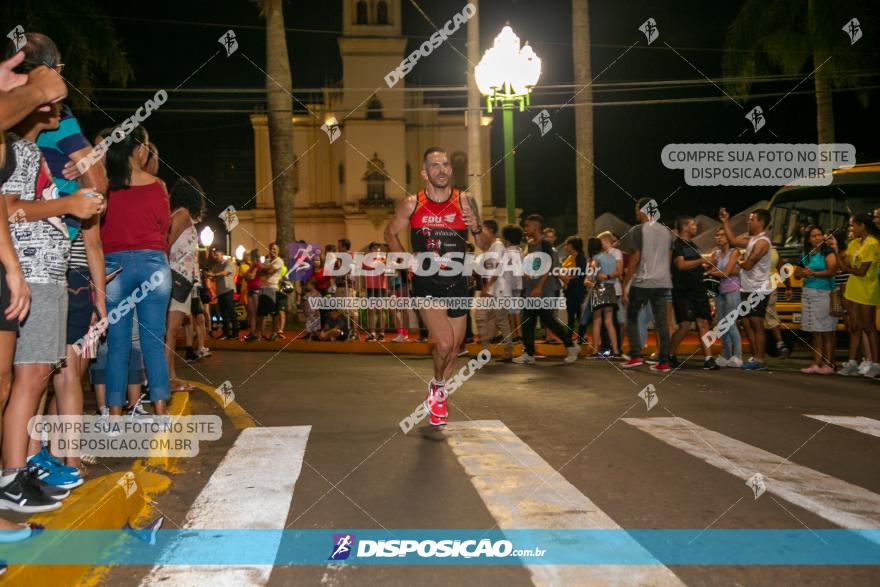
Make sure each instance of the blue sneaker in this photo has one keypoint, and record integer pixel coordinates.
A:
(53, 477)
(50, 462)
(754, 366)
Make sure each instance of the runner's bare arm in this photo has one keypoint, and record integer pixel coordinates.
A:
(482, 238)
(399, 221)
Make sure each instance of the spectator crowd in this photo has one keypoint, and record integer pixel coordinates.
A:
(100, 274)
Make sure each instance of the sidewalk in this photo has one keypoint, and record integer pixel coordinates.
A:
(294, 341)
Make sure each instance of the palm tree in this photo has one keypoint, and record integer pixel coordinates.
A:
(85, 35)
(790, 37)
(583, 117)
(279, 100)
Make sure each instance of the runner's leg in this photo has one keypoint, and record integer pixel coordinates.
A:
(459, 329)
(441, 331)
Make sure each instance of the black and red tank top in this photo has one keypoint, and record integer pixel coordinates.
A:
(438, 227)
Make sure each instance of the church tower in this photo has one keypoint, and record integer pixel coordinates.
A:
(371, 113)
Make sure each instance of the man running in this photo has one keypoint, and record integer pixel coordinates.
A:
(439, 219)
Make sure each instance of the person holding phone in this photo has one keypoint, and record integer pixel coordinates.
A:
(135, 238)
(35, 212)
(861, 260)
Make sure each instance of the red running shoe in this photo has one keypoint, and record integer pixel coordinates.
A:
(661, 368)
(633, 362)
(435, 403)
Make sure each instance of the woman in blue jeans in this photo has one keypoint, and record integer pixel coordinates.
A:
(726, 268)
(135, 239)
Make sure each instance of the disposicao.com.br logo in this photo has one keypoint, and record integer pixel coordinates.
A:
(346, 544)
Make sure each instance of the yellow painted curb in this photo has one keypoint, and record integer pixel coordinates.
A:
(178, 406)
(106, 502)
(103, 503)
(240, 418)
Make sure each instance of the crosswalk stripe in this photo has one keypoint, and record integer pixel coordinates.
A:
(858, 423)
(522, 491)
(837, 501)
(252, 488)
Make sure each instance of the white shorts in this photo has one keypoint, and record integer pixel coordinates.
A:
(184, 307)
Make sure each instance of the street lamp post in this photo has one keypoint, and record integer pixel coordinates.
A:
(506, 75)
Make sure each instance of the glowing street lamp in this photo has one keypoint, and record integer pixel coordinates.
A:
(239, 252)
(206, 237)
(506, 75)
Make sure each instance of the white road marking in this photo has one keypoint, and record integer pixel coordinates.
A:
(857, 423)
(252, 488)
(522, 491)
(837, 501)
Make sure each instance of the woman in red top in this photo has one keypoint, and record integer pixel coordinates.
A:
(135, 238)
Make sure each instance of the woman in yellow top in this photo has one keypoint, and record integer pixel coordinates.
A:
(861, 260)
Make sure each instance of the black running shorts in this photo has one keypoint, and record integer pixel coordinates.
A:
(430, 287)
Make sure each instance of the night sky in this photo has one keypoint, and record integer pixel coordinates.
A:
(167, 41)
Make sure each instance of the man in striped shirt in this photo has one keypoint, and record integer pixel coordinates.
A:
(62, 148)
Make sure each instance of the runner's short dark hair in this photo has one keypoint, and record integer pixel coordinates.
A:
(430, 150)
(512, 234)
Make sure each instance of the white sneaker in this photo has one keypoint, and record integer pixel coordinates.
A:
(103, 418)
(722, 362)
(735, 362)
(400, 338)
(864, 366)
(572, 353)
(849, 369)
(204, 352)
(524, 359)
(872, 371)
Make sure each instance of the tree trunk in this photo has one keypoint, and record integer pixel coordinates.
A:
(824, 107)
(822, 79)
(279, 85)
(583, 117)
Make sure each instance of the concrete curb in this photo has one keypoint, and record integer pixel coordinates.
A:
(102, 503)
(688, 346)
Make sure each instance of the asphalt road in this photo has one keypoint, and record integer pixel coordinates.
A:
(581, 427)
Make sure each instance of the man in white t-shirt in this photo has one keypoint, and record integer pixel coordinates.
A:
(754, 279)
(495, 285)
(270, 275)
